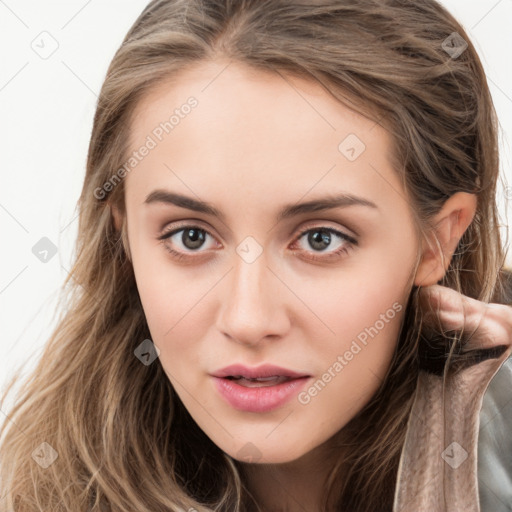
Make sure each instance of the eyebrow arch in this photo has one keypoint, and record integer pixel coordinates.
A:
(290, 210)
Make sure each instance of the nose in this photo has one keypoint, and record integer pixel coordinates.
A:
(253, 306)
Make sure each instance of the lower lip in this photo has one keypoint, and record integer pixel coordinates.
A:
(261, 399)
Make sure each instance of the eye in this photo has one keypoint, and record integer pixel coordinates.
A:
(320, 238)
(190, 238)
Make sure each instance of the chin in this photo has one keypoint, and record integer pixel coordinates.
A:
(255, 453)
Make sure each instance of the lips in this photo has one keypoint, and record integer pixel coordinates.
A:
(263, 372)
(258, 390)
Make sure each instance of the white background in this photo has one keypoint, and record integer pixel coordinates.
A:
(47, 107)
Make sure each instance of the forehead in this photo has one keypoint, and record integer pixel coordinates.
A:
(257, 131)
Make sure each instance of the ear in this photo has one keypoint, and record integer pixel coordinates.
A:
(450, 223)
(119, 220)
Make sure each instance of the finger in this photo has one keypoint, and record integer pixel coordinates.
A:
(483, 325)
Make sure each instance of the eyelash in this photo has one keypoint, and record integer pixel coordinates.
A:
(349, 241)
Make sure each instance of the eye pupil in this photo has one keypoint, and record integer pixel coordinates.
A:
(324, 238)
(196, 235)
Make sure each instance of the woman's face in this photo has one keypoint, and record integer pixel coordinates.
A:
(242, 284)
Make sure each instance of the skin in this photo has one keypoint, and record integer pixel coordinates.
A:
(255, 142)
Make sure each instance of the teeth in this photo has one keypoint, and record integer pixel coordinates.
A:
(259, 381)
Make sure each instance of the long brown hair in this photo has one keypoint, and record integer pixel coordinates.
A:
(123, 438)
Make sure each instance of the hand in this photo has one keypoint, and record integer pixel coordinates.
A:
(486, 328)
(485, 325)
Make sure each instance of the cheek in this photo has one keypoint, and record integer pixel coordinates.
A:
(356, 322)
(353, 361)
(365, 339)
(166, 290)
(345, 303)
(177, 307)
(177, 325)
(171, 303)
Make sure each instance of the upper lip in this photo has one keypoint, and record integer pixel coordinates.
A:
(265, 370)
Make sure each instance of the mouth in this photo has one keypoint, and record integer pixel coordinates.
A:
(258, 389)
(263, 373)
(259, 382)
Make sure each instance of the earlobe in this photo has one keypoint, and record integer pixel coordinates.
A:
(450, 223)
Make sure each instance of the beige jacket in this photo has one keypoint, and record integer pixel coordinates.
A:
(438, 465)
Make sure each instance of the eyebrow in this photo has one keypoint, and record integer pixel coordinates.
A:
(290, 210)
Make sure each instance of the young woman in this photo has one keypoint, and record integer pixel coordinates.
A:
(289, 291)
